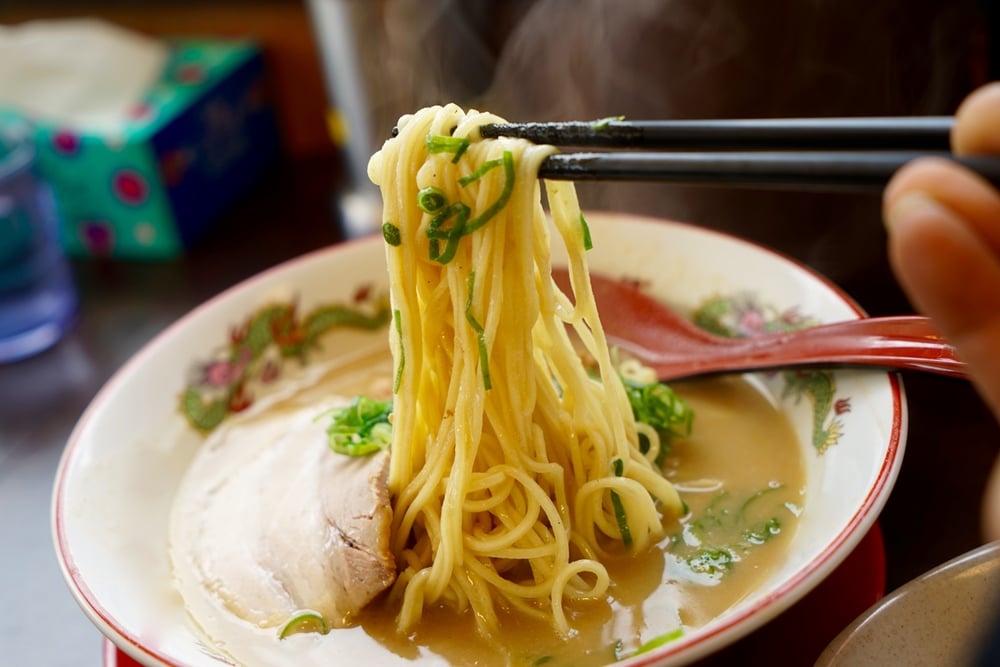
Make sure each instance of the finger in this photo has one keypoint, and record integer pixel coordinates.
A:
(964, 192)
(953, 277)
(977, 122)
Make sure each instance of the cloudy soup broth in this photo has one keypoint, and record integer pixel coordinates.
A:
(741, 476)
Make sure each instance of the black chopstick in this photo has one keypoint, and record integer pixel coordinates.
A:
(851, 170)
(906, 132)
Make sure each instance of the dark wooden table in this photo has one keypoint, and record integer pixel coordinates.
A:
(932, 515)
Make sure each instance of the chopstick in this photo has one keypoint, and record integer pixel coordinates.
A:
(786, 153)
(906, 132)
(854, 170)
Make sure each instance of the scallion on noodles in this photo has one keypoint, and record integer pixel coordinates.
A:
(515, 469)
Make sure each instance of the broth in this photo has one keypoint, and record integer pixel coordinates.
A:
(747, 464)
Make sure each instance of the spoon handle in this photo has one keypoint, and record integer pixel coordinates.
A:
(902, 342)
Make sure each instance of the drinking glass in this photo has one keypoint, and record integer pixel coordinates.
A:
(37, 296)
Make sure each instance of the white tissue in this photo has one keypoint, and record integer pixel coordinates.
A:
(83, 74)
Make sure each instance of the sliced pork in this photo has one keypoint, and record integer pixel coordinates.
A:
(269, 522)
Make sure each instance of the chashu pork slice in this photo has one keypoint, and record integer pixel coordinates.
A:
(269, 522)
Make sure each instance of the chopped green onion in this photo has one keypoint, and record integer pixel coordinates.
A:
(484, 360)
(437, 230)
(765, 531)
(452, 234)
(711, 561)
(588, 243)
(437, 143)
(390, 233)
(398, 321)
(462, 226)
(658, 406)
(495, 207)
(484, 169)
(476, 326)
(431, 199)
(361, 428)
(304, 621)
(602, 123)
(758, 494)
(619, 467)
(616, 502)
(657, 642)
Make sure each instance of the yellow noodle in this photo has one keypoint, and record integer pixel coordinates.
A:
(511, 462)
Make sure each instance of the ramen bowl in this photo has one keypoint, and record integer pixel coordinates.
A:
(127, 455)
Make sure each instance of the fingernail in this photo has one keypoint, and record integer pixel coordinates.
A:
(910, 205)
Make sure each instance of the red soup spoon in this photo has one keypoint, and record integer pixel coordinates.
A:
(676, 348)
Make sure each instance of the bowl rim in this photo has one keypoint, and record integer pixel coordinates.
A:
(711, 639)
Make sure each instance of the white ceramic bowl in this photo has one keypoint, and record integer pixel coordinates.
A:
(126, 456)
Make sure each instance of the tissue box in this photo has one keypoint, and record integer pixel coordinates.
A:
(149, 189)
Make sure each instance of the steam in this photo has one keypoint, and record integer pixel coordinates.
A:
(593, 58)
(543, 60)
(589, 59)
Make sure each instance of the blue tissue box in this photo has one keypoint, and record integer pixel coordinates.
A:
(149, 189)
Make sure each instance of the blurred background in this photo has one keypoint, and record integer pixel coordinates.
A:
(336, 74)
(372, 60)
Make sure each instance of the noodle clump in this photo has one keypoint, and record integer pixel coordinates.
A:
(515, 466)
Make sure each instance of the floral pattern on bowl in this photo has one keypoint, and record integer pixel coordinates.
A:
(260, 345)
(744, 315)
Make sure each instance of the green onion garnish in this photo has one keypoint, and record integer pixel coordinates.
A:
(461, 226)
(431, 199)
(361, 428)
(658, 406)
(657, 642)
(711, 561)
(588, 244)
(616, 502)
(484, 168)
(495, 207)
(484, 360)
(602, 123)
(757, 496)
(622, 520)
(398, 321)
(453, 234)
(763, 532)
(619, 467)
(437, 143)
(390, 233)
(304, 621)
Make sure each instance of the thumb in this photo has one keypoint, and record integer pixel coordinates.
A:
(947, 257)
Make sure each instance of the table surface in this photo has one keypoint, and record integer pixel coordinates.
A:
(931, 516)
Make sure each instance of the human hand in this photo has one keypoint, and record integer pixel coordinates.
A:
(944, 246)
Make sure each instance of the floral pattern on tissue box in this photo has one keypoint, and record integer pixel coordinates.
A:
(200, 136)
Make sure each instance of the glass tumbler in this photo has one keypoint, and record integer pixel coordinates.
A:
(37, 296)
